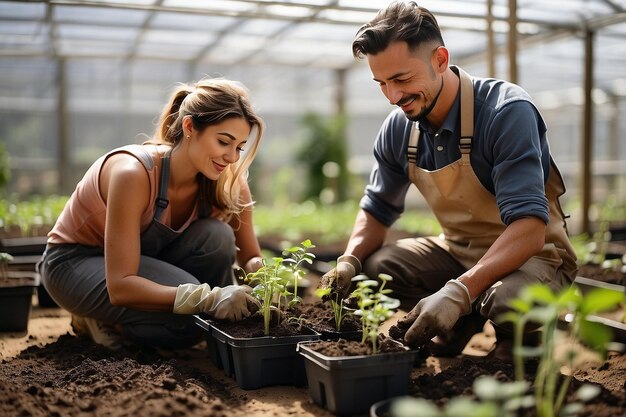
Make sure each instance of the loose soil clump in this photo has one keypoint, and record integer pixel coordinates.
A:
(74, 377)
(458, 380)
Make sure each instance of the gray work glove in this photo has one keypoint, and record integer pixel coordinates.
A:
(232, 302)
(339, 279)
(436, 314)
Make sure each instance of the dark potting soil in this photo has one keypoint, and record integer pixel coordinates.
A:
(342, 347)
(320, 317)
(458, 380)
(596, 272)
(74, 377)
(298, 320)
(253, 327)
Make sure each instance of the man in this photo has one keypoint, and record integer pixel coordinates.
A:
(477, 151)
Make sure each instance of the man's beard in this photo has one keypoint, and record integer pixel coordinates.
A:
(425, 112)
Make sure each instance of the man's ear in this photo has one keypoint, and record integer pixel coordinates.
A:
(440, 59)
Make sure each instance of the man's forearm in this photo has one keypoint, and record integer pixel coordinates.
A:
(368, 235)
(521, 240)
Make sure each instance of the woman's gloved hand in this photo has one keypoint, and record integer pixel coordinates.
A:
(233, 302)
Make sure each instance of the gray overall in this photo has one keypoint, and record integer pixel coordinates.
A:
(74, 274)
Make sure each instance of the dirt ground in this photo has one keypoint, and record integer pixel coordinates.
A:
(48, 371)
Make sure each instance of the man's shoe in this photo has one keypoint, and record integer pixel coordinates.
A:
(99, 332)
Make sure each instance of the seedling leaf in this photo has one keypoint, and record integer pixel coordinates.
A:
(600, 299)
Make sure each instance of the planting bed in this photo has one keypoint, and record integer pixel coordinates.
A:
(49, 371)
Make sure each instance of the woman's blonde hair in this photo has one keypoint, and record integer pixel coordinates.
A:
(211, 101)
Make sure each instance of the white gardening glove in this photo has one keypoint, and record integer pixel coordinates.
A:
(339, 278)
(436, 314)
(232, 302)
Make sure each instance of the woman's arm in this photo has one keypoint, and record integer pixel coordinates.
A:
(125, 186)
(249, 253)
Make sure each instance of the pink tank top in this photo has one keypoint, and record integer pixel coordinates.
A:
(83, 218)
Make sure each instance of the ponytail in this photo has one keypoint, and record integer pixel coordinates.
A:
(170, 127)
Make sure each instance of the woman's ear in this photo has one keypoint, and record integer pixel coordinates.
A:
(187, 125)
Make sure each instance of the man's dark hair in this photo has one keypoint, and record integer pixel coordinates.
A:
(400, 21)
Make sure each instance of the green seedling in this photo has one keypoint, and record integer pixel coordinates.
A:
(270, 282)
(296, 257)
(539, 305)
(374, 305)
(336, 305)
(300, 320)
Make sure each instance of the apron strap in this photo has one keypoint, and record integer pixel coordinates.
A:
(205, 207)
(467, 112)
(467, 122)
(162, 202)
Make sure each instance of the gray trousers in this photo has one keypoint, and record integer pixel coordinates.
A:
(74, 276)
(420, 267)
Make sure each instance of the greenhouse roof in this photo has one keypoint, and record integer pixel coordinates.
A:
(294, 33)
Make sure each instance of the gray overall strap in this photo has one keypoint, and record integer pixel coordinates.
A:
(162, 202)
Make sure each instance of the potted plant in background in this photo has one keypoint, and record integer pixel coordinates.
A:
(261, 349)
(340, 372)
(16, 293)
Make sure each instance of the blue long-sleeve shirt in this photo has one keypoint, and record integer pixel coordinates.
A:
(510, 153)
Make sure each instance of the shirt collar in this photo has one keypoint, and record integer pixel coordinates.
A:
(449, 124)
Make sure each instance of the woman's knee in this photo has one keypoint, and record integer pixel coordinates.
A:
(211, 236)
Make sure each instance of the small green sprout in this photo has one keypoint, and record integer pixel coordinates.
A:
(374, 305)
(336, 305)
(296, 256)
(270, 282)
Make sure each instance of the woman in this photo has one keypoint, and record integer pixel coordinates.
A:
(152, 231)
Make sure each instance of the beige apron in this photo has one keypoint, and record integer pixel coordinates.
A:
(468, 213)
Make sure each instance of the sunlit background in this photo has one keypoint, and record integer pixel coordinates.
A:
(78, 78)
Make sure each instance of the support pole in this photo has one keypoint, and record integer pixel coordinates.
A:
(587, 149)
(64, 160)
(512, 41)
(491, 44)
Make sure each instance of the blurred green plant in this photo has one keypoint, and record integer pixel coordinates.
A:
(494, 399)
(325, 156)
(33, 212)
(328, 223)
(5, 166)
(538, 304)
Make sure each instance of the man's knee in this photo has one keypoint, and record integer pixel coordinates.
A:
(375, 264)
